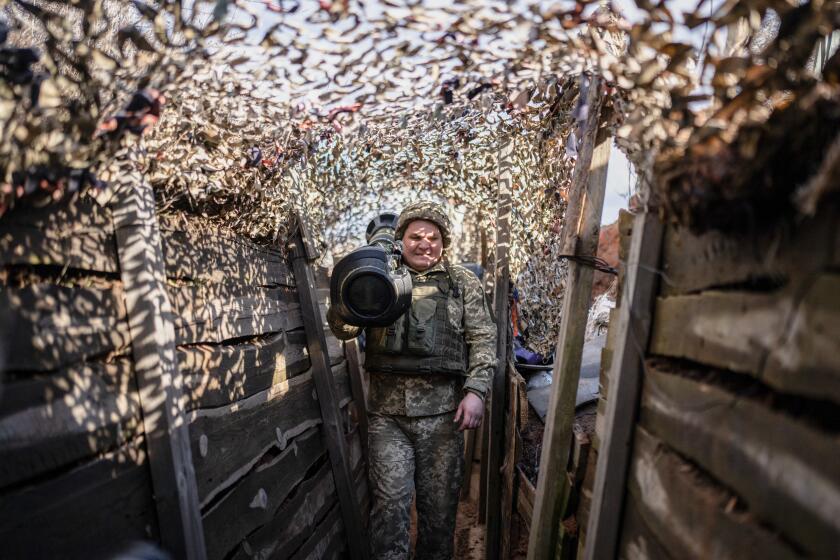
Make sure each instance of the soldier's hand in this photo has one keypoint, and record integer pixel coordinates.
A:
(469, 412)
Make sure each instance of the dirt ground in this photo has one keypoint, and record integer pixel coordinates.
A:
(469, 534)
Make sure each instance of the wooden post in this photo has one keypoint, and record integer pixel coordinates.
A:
(482, 468)
(511, 458)
(469, 458)
(303, 251)
(634, 321)
(153, 349)
(357, 388)
(498, 396)
(581, 226)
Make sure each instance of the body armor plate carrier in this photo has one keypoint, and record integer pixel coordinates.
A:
(424, 339)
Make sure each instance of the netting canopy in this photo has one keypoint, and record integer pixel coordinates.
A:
(254, 109)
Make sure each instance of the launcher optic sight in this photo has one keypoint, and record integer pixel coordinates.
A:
(370, 287)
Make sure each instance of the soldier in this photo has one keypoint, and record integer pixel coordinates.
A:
(429, 374)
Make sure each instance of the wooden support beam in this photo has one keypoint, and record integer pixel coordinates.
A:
(634, 323)
(357, 387)
(158, 380)
(303, 251)
(496, 449)
(482, 468)
(581, 226)
(515, 384)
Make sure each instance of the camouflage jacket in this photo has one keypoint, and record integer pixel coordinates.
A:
(422, 395)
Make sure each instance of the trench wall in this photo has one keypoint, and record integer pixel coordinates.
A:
(74, 465)
(735, 444)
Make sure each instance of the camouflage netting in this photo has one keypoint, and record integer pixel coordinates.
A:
(253, 109)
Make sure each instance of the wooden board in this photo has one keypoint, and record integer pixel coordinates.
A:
(91, 512)
(51, 421)
(257, 497)
(637, 541)
(512, 455)
(495, 401)
(785, 470)
(322, 542)
(228, 441)
(788, 340)
(615, 441)
(218, 374)
(581, 233)
(525, 498)
(150, 316)
(74, 232)
(294, 522)
(302, 248)
(214, 314)
(48, 327)
(692, 516)
(205, 255)
(693, 263)
(357, 384)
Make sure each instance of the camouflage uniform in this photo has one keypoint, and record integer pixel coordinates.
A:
(414, 442)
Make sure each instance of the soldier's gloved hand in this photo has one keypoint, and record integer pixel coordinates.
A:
(469, 412)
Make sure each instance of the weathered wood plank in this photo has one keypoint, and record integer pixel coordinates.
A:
(294, 522)
(153, 348)
(303, 254)
(74, 232)
(637, 541)
(228, 441)
(787, 339)
(210, 313)
(785, 470)
(49, 326)
(496, 404)
(693, 263)
(85, 249)
(357, 384)
(215, 375)
(635, 315)
(207, 255)
(570, 523)
(581, 233)
(319, 543)
(690, 515)
(525, 498)
(51, 421)
(257, 497)
(335, 348)
(584, 507)
(512, 453)
(93, 511)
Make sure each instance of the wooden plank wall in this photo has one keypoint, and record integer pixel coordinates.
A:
(735, 447)
(74, 475)
(73, 461)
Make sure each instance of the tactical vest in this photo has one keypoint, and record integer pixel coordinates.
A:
(424, 340)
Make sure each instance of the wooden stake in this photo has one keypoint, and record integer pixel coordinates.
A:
(634, 322)
(582, 226)
(498, 396)
(303, 251)
(153, 349)
(357, 387)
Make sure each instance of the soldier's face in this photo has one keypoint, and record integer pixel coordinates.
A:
(423, 245)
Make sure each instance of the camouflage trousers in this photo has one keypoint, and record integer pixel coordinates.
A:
(408, 454)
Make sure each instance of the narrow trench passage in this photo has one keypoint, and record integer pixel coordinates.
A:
(469, 534)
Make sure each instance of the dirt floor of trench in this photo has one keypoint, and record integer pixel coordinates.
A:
(469, 534)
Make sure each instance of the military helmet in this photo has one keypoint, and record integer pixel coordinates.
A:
(429, 211)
